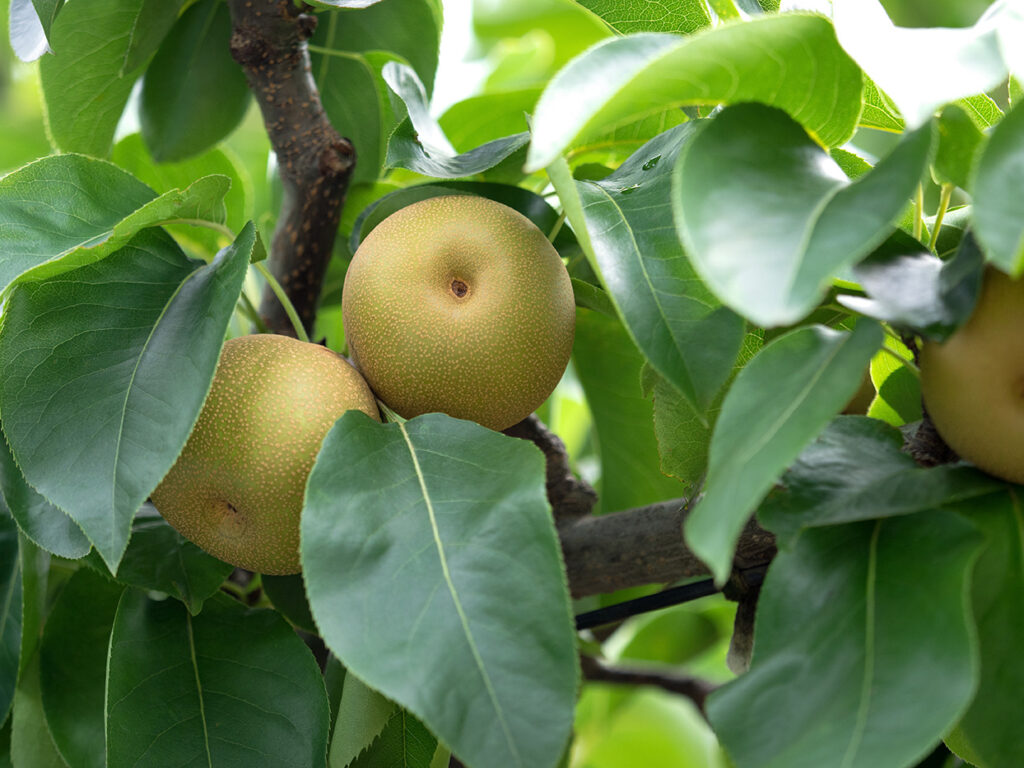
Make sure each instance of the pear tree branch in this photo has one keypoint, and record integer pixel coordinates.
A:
(269, 42)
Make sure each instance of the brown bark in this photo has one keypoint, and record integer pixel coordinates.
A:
(269, 42)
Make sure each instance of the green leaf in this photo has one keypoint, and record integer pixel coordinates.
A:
(989, 728)
(684, 16)
(419, 144)
(589, 296)
(790, 61)
(56, 205)
(85, 85)
(362, 716)
(779, 402)
(920, 70)
(231, 686)
(161, 559)
(879, 111)
(73, 666)
(155, 19)
(911, 288)
(94, 360)
(288, 594)
(31, 743)
(405, 742)
(856, 627)
(46, 525)
(10, 611)
(768, 218)
(959, 139)
(856, 470)
(399, 557)
(348, 51)
(194, 94)
(673, 319)
(998, 192)
(608, 366)
(489, 116)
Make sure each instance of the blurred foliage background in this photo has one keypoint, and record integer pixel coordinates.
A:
(513, 47)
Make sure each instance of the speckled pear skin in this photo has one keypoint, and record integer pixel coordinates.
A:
(459, 305)
(237, 489)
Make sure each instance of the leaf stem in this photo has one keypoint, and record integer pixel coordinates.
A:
(918, 212)
(557, 227)
(947, 193)
(289, 308)
(246, 305)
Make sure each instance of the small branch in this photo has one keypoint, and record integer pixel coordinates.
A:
(269, 42)
(644, 546)
(570, 497)
(693, 688)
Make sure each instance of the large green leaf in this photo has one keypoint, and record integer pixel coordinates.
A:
(231, 686)
(791, 61)
(778, 403)
(683, 16)
(10, 611)
(768, 217)
(42, 522)
(999, 194)
(418, 143)
(990, 729)
(856, 470)
(155, 20)
(159, 558)
(434, 574)
(93, 361)
(68, 210)
(919, 69)
(194, 94)
(609, 366)
(85, 84)
(73, 666)
(675, 321)
(857, 627)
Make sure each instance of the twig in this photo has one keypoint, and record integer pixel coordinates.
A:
(269, 42)
(693, 688)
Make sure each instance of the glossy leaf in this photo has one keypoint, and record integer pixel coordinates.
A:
(959, 139)
(673, 319)
(856, 626)
(27, 36)
(790, 61)
(608, 366)
(419, 144)
(73, 667)
(998, 189)
(909, 287)
(58, 204)
(778, 403)
(95, 359)
(768, 218)
(856, 470)
(989, 728)
(10, 611)
(400, 532)
(159, 558)
(919, 69)
(231, 686)
(194, 94)
(85, 85)
(46, 525)
(684, 16)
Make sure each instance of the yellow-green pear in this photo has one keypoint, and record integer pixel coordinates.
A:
(973, 384)
(459, 304)
(237, 489)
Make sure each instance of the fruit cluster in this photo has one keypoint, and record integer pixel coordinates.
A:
(457, 305)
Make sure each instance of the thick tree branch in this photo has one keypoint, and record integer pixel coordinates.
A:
(693, 688)
(269, 42)
(644, 546)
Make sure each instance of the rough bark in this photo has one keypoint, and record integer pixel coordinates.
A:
(269, 42)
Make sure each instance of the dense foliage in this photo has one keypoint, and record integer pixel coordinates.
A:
(761, 208)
